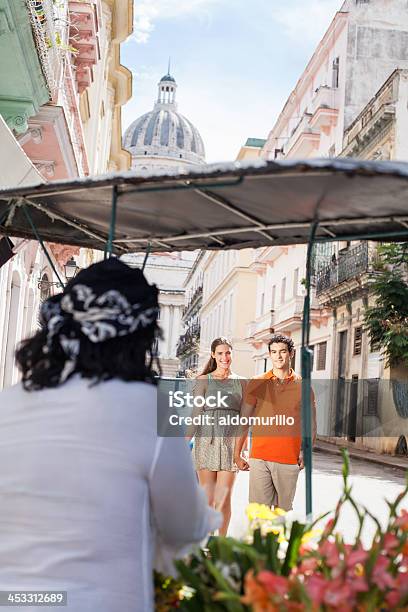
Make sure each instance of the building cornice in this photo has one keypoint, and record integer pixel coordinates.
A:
(333, 32)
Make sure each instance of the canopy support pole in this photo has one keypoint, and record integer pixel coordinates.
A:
(148, 249)
(37, 235)
(306, 374)
(112, 226)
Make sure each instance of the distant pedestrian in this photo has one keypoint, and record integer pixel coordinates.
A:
(276, 456)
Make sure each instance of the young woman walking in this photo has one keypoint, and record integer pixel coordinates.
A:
(213, 451)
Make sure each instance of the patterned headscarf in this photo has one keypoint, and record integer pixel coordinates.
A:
(107, 300)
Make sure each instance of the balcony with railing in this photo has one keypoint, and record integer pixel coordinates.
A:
(288, 315)
(304, 140)
(261, 329)
(372, 120)
(189, 341)
(346, 269)
(83, 36)
(324, 107)
(193, 302)
(49, 32)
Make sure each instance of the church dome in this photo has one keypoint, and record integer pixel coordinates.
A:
(164, 132)
(168, 77)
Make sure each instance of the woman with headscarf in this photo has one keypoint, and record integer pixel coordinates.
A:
(87, 488)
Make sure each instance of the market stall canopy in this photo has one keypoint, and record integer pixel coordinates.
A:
(216, 207)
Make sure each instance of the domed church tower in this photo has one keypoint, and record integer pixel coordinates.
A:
(163, 137)
(160, 140)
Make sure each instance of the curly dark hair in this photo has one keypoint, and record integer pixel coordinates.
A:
(280, 338)
(128, 358)
(126, 355)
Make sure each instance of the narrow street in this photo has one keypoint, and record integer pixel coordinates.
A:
(372, 485)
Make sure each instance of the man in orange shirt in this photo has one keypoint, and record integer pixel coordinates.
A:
(276, 456)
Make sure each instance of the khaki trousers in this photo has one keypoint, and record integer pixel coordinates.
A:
(272, 484)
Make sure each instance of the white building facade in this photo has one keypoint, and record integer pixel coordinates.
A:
(363, 46)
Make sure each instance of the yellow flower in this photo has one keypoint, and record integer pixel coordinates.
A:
(262, 512)
(359, 569)
(310, 535)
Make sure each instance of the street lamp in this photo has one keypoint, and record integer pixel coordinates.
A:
(71, 269)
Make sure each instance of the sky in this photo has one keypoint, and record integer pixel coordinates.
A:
(235, 62)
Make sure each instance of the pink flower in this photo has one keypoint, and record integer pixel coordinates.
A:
(392, 598)
(316, 586)
(308, 565)
(358, 584)
(402, 581)
(329, 551)
(390, 542)
(273, 583)
(355, 557)
(338, 594)
(380, 575)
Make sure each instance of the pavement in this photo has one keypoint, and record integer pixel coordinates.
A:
(373, 485)
(393, 461)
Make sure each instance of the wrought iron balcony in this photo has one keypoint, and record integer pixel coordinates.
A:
(197, 295)
(189, 341)
(349, 265)
(48, 33)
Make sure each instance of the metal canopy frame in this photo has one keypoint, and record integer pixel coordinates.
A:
(202, 183)
(220, 207)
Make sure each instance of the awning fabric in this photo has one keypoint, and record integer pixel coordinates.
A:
(216, 207)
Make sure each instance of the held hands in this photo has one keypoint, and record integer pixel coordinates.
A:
(241, 463)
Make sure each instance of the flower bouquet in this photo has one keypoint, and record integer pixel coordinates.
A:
(285, 565)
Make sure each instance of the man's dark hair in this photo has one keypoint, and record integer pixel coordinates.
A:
(280, 338)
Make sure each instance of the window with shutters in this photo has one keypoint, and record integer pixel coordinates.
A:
(358, 338)
(321, 356)
(371, 403)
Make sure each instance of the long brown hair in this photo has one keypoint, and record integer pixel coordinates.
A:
(211, 364)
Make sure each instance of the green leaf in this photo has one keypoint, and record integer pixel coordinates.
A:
(272, 547)
(188, 575)
(258, 543)
(292, 552)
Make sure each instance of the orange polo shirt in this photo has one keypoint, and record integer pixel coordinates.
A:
(273, 397)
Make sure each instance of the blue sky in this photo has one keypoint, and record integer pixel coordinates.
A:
(235, 61)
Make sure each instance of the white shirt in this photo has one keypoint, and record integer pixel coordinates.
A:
(86, 490)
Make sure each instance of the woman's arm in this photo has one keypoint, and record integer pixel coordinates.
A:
(199, 388)
(180, 509)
